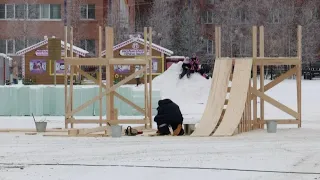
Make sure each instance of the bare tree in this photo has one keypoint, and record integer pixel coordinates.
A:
(162, 19)
(118, 19)
(189, 37)
(23, 31)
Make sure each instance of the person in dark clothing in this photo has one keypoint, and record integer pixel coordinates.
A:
(169, 115)
(185, 68)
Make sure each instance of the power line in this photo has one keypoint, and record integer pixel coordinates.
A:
(163, 167)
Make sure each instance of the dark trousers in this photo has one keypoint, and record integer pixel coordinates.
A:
(15, 81)
(163, 129)
(138, 81)
(185, 72)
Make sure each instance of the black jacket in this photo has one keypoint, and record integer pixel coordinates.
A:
(186, 66)
(168, 112)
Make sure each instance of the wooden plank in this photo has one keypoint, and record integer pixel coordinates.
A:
(120, 121)
(276, 60)
(127, 61)
(279, 121)
(278, 80)
(65, 78)
(215, 103)
(29, 130)
(92, 130)
(254, 71)
(229, 89)
(261, 54)
(88, 103)
(275, 103)
(238, 95)
(86, 61)
(298, 78)
(66, 135)
(129, 102)
(109, 54)
(150, 78)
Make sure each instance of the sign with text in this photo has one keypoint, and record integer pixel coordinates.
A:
(45, 53)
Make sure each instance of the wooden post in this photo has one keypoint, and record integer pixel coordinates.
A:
(65, 79)
(71, 73)
(146, 85)
(100, 75)
(150, 77)
(219, 31)
(109, 72)
(261, 54)
(254, 72)
(298, 78)
(216, 42)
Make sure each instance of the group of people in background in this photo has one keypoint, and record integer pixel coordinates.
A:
(192, 65)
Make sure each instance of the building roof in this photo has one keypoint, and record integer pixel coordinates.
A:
(76, 49)
(140, 41)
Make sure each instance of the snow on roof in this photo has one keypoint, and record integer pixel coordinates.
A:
(5, 56)
(76, 49)
(176, 57)
(140, 41)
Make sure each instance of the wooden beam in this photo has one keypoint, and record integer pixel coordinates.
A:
(150, 78)
(109, 75)
(279, 121)
(65, 78)
(298, 77)
(278, 80)
(276, 60)
(275, 103)
(127, 61)
(254, 71)
(129, 102)
(114, 87)
(120, 121)
(92, 130)
(86, 61)
(261, 55)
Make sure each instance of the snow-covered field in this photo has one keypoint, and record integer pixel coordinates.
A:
(291, 153)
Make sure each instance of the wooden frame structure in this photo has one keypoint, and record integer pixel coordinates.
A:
(250, 119)
(109, 88)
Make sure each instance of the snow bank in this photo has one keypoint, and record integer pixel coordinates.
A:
(194, 90)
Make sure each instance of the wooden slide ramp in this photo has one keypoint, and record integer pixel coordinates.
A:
(216, 99)
(237, 98)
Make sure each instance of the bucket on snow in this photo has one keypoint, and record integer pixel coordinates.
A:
(271, 126)
(116, 130)
(41, 126)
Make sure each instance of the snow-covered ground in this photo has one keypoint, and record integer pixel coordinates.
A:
(291, 153)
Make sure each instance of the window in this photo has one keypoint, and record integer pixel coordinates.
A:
(55, 11)
(242, 16)
(88, 11)
(2, 11)
(20, 11)
(10, 46)
(275, 16)
(19, 44)
(209, 47)
(34, 11)
(89, 45)
(9, 11)
(45, 11)
(30, 11)
(3, 46)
